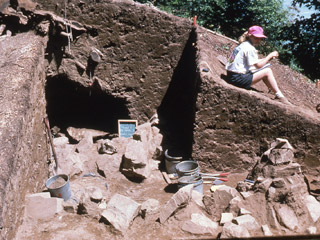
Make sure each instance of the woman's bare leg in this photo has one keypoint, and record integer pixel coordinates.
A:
(266, 75)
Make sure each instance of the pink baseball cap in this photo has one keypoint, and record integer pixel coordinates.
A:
(257, 32)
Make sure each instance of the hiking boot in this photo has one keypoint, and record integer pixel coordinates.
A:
(284, 100)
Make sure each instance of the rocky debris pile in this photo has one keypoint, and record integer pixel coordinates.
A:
(275, 202)
(136, 157)
(141, 151)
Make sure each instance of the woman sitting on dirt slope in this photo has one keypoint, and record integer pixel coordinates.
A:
(243, 64)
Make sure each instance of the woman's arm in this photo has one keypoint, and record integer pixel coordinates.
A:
(265, 60)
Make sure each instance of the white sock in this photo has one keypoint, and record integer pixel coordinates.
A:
(279, 94)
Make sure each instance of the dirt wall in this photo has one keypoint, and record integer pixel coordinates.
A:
(23, 149)
(233, 126)
(140, 47)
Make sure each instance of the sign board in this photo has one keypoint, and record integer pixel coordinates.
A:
(126, 127)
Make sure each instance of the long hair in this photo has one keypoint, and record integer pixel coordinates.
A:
(243, 37)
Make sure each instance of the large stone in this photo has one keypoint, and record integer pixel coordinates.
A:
(223, 195)
(272, 217)
(72, 164)
(42, 206)
(179, 200)
(263, 186)
(287, 217)
(60, 140)
(235, 205)
(313, 207)
(247, 221)
(85, 145)
(107, 147)
(219, 200)
(200, 224)
(313, 183)
(288, 170)
(150, 136)
(281, 143)
(108, 164)
(120, 212)
(78, 134)
(135, 161)
(231, 230)
(278, 183)
(89, 208)
(281, 156)
(150, 206)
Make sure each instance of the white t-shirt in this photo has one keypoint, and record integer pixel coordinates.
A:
(243, 58)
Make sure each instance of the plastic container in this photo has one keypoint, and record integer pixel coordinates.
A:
(171, 162)
(188, 168)
(59, 186)
(197, 182)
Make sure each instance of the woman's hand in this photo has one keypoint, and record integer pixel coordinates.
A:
(273, 55)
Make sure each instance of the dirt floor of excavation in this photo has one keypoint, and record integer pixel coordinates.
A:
(67, 225)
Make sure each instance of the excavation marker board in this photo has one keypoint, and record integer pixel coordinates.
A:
(126, 127)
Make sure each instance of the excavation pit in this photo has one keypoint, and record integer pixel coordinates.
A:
(151, 62)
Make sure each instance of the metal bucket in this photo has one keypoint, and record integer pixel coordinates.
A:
(59, 186)
(197, 182)
(171, 162)
(188, 168)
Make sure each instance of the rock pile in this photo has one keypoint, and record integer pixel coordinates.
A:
(277, 203)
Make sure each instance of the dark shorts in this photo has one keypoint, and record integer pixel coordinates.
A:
(239, 79)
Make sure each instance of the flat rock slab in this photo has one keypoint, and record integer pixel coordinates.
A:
(287, 217)
(135, 162)
(313, 207)
(120, 211)
(177, 201)
(42, 206)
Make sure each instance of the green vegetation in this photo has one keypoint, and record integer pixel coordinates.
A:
(298, 41)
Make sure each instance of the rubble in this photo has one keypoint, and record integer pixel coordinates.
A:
(270, 204)
(137, 161)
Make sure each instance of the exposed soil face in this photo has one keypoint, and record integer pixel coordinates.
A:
(233, 130)
(151, 62)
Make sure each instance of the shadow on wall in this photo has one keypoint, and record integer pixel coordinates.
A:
(177, 109)
(71, 104)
